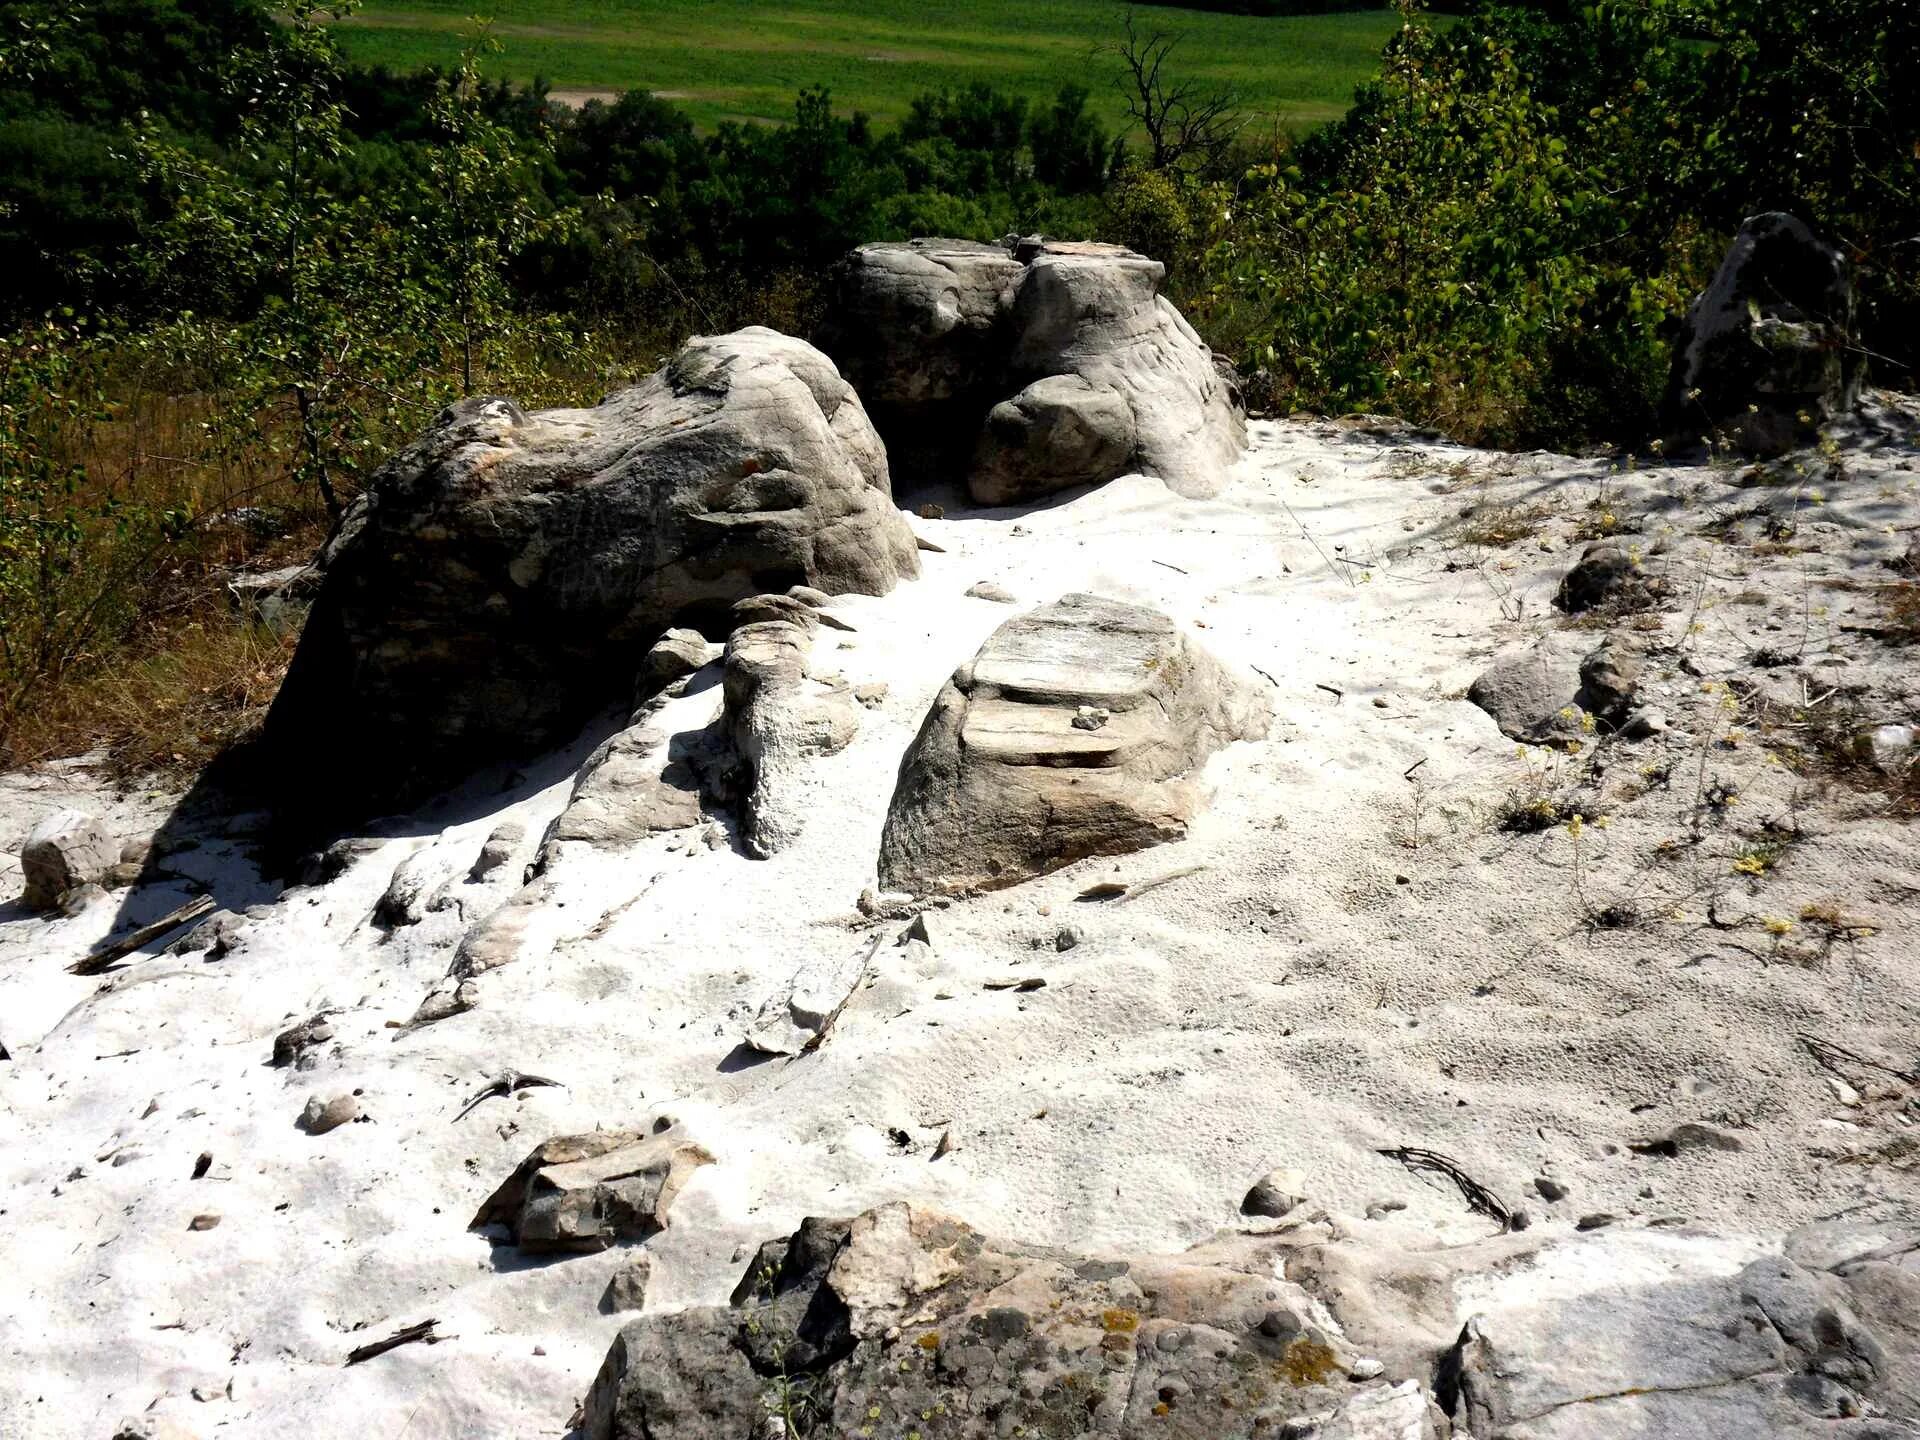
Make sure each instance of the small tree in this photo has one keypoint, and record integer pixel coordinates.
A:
(483, 213)
(336, 324)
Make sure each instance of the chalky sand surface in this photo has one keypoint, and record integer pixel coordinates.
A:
(1360, 958)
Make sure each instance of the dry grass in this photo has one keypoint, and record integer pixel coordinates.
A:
(1495, 527)
(168, 704)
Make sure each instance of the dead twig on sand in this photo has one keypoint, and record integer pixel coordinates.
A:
(503, 1085)
(1480, 1200)
(1830, 1056)
(406, 1335)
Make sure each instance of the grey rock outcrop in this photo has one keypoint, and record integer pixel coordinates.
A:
(1051, 364)
(499, 576)
(1767, 356)
(1001, 785)
(66, 850)
(1817, 1341)
(585, 1193)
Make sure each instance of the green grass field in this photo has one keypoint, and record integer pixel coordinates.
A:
(746, 59)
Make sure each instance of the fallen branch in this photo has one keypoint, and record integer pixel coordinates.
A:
(1175, 568)
(100, 959)
(1334, 690)
(406, 1335)
(1480, 1200)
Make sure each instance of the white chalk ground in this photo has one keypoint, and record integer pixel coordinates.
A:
(1366, 960)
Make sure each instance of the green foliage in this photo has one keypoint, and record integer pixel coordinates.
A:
(1466, 252)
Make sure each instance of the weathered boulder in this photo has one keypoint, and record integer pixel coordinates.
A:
(586, 1193)
(499, 578)
(1001, 784)
(1052, 364)
(674, 656)
(904, 1321)
(1533, 692)
(1767, 355)
(1609, 575)
(66, 850)
(1059, 431)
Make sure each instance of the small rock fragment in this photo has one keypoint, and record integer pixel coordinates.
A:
(1607, 573)
(290, 1046)
(1690, 1135)
(587, 1192)
(203, 1222)
(917, 930)
(1549, 1188)
(987, 590)
(1068, 936)
(320, 1116)
(1892, 747)
(627, 1290)
(1091, 717)
(872, 695)
(202, 1165)
(1598, 1221)
(1275, 1193)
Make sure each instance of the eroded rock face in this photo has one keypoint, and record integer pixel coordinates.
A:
(1077, 730)
(1767, 357)
(587, 1192)
(909, 1321)
(503, 577)
(905, 1320)
(1052, 364)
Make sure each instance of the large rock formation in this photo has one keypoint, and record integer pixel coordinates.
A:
(503, 577)
(1766, 357)
(900, 1321)
(1075, 731)
(1049, 364)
